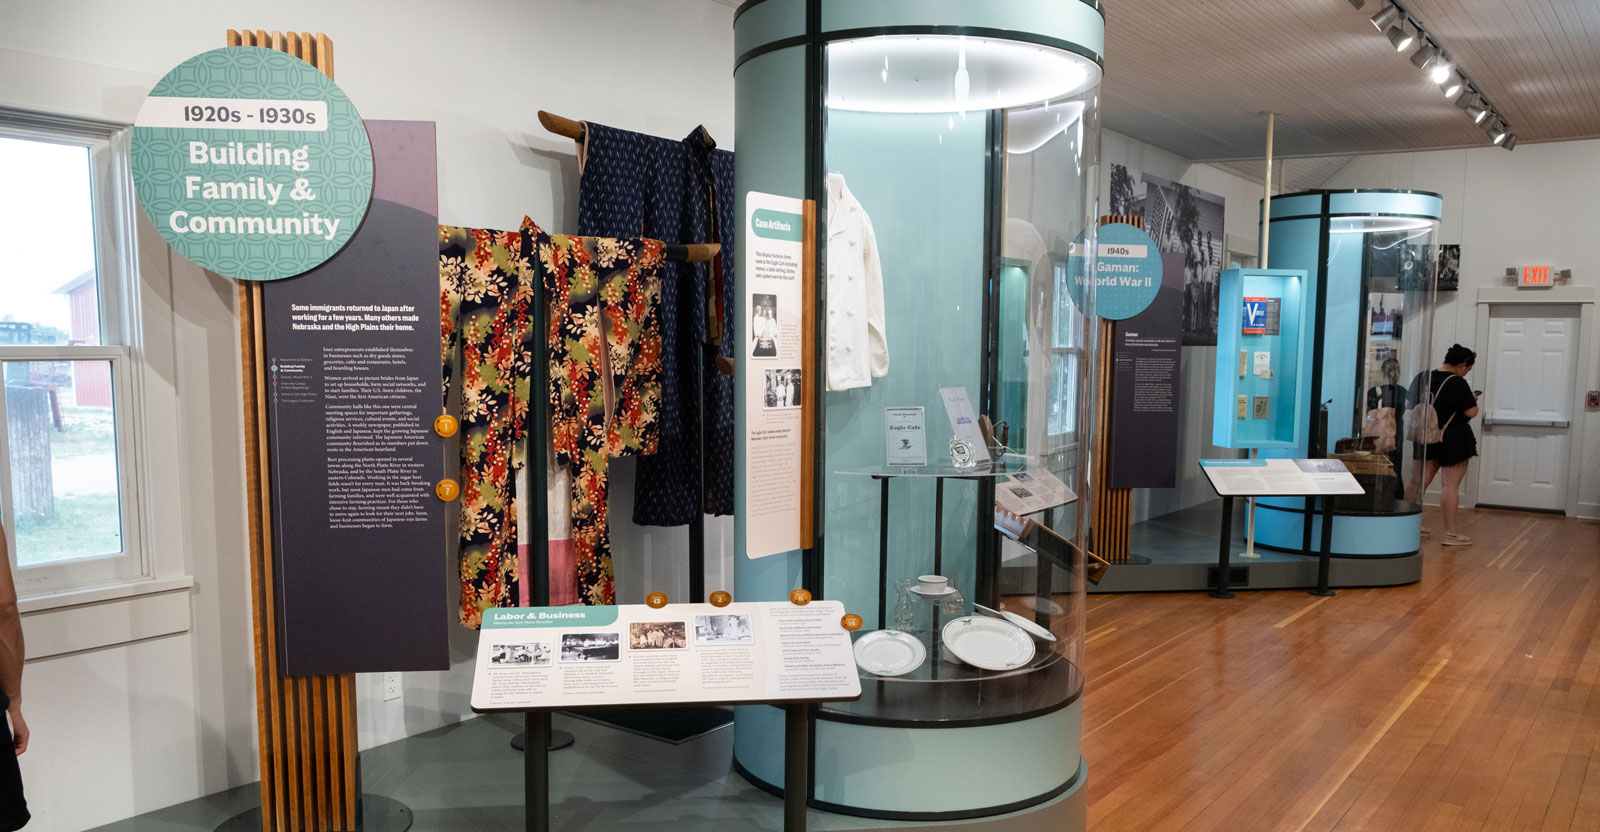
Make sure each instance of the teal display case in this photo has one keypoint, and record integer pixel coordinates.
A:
(1264, 352)
(1370, 257)
(968, 133)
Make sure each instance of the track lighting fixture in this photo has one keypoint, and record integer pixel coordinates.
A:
(1400, 38)
(1407, 34)
(1497, 131)
(1424, 54)
(1386, 17)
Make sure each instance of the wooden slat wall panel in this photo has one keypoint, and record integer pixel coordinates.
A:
(1112, 508)
(306, 724)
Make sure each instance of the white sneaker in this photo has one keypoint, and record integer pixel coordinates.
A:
(1455, 540)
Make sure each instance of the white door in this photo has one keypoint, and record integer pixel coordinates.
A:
(1527, 406)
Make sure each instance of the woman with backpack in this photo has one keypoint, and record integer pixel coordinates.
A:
(1443, 440)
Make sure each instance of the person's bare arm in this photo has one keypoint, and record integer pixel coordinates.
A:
(11, 652)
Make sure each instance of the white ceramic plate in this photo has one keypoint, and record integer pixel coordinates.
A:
(948, 590)
(988, 643)
(889, 653)
(1032, 628)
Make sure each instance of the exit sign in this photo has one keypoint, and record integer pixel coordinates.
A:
(1535, 276)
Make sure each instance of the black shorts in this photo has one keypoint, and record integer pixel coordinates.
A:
(13, 807)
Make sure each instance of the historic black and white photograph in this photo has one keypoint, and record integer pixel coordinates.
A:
(1188, 221)
(1181, 220)
(721, 630)
(657, 635)
(782, 390)
(763, 325)
(1127, 194)
(1449, 268)
(591, 647)
(519, 655)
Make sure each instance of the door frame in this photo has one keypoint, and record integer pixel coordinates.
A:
(1584, 298)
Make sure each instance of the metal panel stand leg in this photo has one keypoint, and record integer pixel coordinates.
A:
(536, 772)
(1325, 559)
(796, 766)
(1221, 590)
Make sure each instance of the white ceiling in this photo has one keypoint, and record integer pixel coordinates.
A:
(1193, 76)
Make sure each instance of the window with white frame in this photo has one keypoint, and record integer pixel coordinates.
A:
(68, 436)
(1066, 357)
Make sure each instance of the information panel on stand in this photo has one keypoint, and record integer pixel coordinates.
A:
(1279, 477)
(353, 386)
(571, 657)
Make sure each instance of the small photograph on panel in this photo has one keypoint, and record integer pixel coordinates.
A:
(722, 630)
(763, 325)
(782, 390)
(519, 655)
(658, 635)
(591, 647)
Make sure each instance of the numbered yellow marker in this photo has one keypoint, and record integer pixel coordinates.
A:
(851, 622)
(800, 597)
(655, 600)
(447, 490)
(446, 425)
(721, 598)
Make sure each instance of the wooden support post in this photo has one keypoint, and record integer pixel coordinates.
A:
(1111, 508)
(306, 724)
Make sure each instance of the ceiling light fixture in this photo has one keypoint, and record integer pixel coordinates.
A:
(1400, 37)
(1510, 142)
(1424, 54)
(1386, 17)
(1403, 33)
(1497, 131)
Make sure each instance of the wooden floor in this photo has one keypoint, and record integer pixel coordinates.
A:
(1470, 700)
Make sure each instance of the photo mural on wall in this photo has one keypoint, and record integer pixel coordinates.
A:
(1449, 268)
(1181, 220)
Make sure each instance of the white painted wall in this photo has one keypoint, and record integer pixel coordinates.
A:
(140, 726)
(1197, 383)
(1523, 207)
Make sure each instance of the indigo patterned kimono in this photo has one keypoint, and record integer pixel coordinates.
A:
(639, 185)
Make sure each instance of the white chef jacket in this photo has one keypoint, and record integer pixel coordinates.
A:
(858, 344)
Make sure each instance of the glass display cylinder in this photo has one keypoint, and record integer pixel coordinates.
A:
(1372, 256)
(953, 151)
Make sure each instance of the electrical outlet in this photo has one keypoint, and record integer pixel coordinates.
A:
(391, 686)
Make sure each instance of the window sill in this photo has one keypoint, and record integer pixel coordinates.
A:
(95, 595)
(91, 619)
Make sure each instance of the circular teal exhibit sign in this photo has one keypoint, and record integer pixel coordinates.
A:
(251, 163)
(1126, 271)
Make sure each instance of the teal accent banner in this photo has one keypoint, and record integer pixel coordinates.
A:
(1127, 271)
(513, 618)
(252, 163)
(776, 225)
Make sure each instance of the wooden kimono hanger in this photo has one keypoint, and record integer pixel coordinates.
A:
(689, 253)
